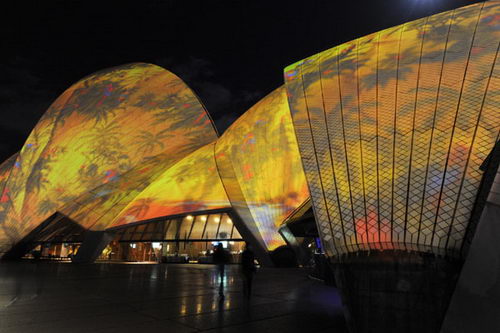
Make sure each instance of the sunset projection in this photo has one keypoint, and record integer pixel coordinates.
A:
(100, 129)
(260, 166)
(393, 127)
(191, 185)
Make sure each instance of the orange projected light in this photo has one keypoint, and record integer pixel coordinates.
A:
(260, 167)
(5, 169)
(98, 131)
(386, 133)
(191, 185)
(392, 129)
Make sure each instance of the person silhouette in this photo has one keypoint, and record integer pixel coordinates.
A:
(248, 269)
(221, 258)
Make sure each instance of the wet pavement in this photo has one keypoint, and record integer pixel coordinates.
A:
(62, 297)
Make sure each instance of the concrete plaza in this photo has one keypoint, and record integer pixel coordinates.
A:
(106, 297)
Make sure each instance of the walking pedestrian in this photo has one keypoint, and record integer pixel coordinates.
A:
(248, 269)
(221, 258)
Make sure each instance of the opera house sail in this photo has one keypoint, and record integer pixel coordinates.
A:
(393, 129)
(381, 152)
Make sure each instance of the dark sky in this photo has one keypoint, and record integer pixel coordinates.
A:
(231, 53)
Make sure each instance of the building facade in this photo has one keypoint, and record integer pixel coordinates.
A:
(391, 139)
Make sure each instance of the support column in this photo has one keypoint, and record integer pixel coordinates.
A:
(395, 291)
(93, 244)
(251, 236)
(475, 305)
(302, 255)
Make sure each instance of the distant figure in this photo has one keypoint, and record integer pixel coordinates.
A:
(248, 269)
(221, 258)
(36, 255)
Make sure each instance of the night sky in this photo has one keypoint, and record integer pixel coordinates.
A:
(231, 53)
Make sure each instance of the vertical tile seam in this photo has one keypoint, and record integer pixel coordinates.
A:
(454, 125)
(345, 151)
(329, 148)
(376, 136)
(360, 140)
(471, 148)
(394, 132)
(452, 18)
(316, 156)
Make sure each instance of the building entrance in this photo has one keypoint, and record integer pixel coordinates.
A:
(180, 239)
(169, 252)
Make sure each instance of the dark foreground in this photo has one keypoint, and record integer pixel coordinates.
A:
(59, 297)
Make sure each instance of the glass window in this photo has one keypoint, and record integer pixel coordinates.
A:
(138, 232)
(119, 233)
(140, 228)
(127, 235)
(226, 225)
(213, 222)
(236, 233)
(173, 228)
(185, 227)
(198, 226)
(159, 231)
(148, 231)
